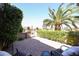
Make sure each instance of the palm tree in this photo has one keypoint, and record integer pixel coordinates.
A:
(46, 23)
(63, 15)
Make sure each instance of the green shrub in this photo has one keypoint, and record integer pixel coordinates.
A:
(10, 23)
(21, 29)
(52, 35)
(73, 38)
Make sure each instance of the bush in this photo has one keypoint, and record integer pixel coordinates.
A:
(73, 38)
(21, 29)
(10, 23)
(52, 35)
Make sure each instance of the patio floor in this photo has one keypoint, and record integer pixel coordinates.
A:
(35, 46)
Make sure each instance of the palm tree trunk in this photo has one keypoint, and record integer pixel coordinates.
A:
(57, 27)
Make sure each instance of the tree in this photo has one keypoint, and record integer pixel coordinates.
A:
(10, 24)
(21, 29)
(63, 15)
(47, 22)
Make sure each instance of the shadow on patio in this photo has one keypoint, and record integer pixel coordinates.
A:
(30, 45)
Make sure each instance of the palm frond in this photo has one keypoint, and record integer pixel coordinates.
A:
(65, 13)
(69, 20)
(76, 19)
(52, 23)
(71, 8)
(69, 5)
(51, 12)
(52, 16)
(47, 21)
(68, 25)
(59, 11)
(60, 5)
(74, 25)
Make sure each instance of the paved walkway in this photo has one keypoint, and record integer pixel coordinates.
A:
(51, 43)
(35, 45)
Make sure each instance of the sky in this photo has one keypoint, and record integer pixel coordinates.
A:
(34, 13)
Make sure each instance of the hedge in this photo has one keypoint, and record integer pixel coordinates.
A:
(52, 35)
(71, 37)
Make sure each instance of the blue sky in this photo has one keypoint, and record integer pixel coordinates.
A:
(35, 13)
